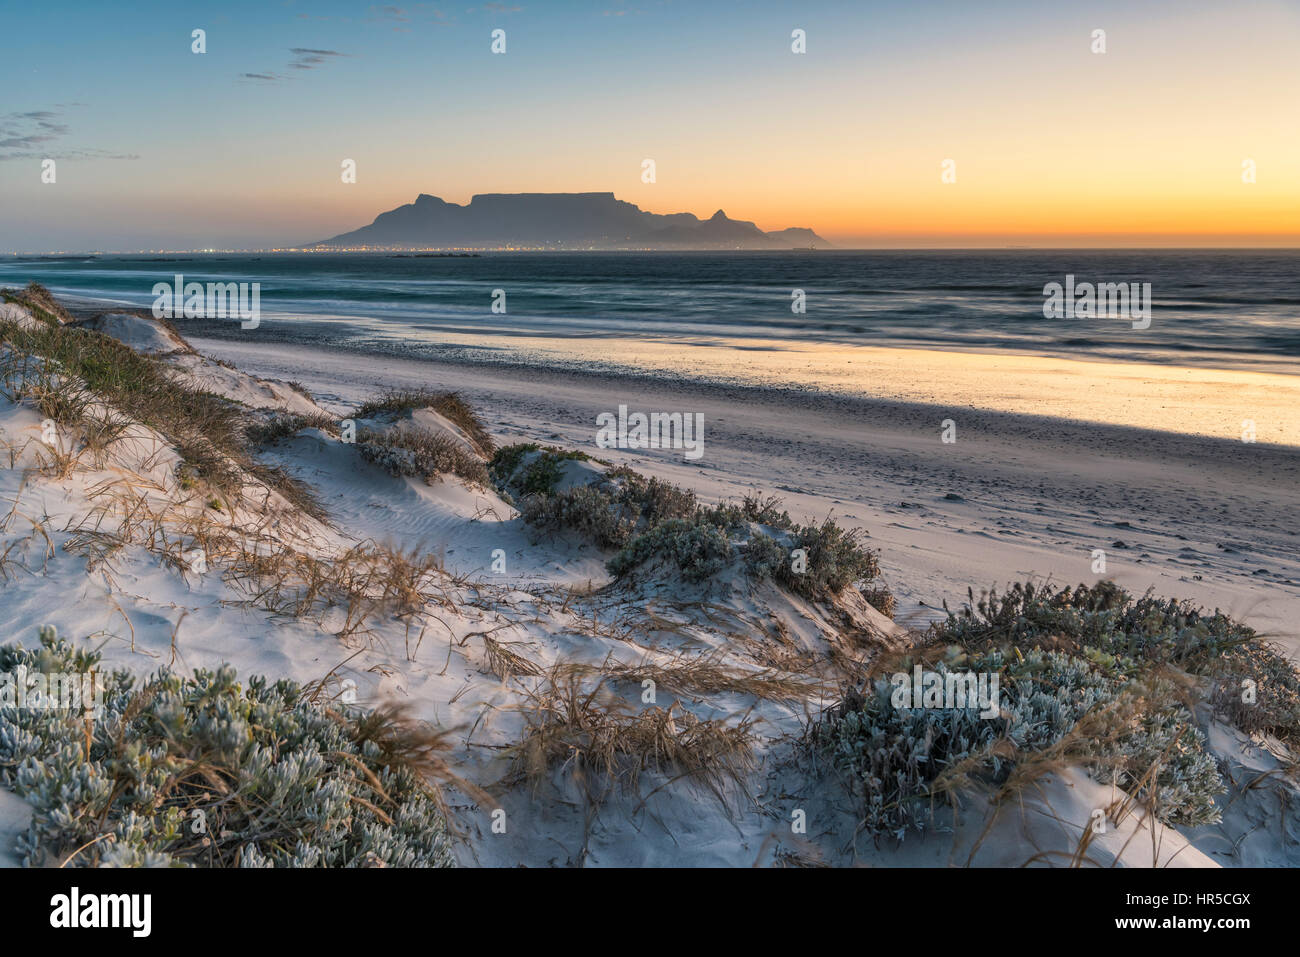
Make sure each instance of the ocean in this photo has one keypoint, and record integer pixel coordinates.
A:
(1209, 308)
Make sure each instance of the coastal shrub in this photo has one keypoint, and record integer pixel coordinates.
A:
(763, 556)
(408, 450)
(539, 476)
(590, 512)
(834, 559)
(1258, 691)
(1090, 667)
(284, 425)
(506, 461)
(207, 772)
(1103, 616)
(1133, 732)
(698, 551)
(624, 509)
(656, 500)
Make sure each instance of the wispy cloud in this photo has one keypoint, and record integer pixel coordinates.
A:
(304, 58)
(34, 134)
(412, 14)
(308, 59)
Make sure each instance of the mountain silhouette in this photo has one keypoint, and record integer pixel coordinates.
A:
(558, 220)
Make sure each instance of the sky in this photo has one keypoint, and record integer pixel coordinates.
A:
(1052, 144)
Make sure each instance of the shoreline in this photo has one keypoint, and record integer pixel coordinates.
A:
(1016, 495)
(1187, 511)
(1157, 397)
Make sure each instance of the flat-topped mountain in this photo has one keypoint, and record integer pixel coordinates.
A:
(560, 220)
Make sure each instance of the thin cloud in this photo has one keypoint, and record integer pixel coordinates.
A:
(30, 134)
(412, 14)
(308, 59)
(304, 58)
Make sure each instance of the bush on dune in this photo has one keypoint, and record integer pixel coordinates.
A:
(699, 551)
(590, 512)
(539, 475)
(1087, 675)
(205, 772)
(407, 450)
(648, 519)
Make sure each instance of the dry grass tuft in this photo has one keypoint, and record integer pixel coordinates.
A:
(583, 729)
(505, 663)
(447, 404)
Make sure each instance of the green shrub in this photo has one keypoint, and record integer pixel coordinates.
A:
(205, 772)
(834, 559)
(656, 500)
(624, 509)
(764, 556)
(409, 450)
(698, 551)
(1137, 735)
(586, 510)
(506, 461)
(1103, 616)
(539, 476)
(1108, 680)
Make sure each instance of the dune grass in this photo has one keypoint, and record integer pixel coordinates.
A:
(40, 302)
(447, 404)
(604, 744)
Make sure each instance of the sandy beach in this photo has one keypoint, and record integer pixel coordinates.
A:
(1053, 459)
(346, 566)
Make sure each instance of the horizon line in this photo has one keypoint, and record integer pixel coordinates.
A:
(292, 250)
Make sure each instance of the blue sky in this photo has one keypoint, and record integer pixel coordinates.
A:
(160, 148)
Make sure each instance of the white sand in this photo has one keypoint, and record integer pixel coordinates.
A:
(1202, 517)
(1198, 517)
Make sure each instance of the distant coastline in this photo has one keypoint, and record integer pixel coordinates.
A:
(580, 308)
(562, 221)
